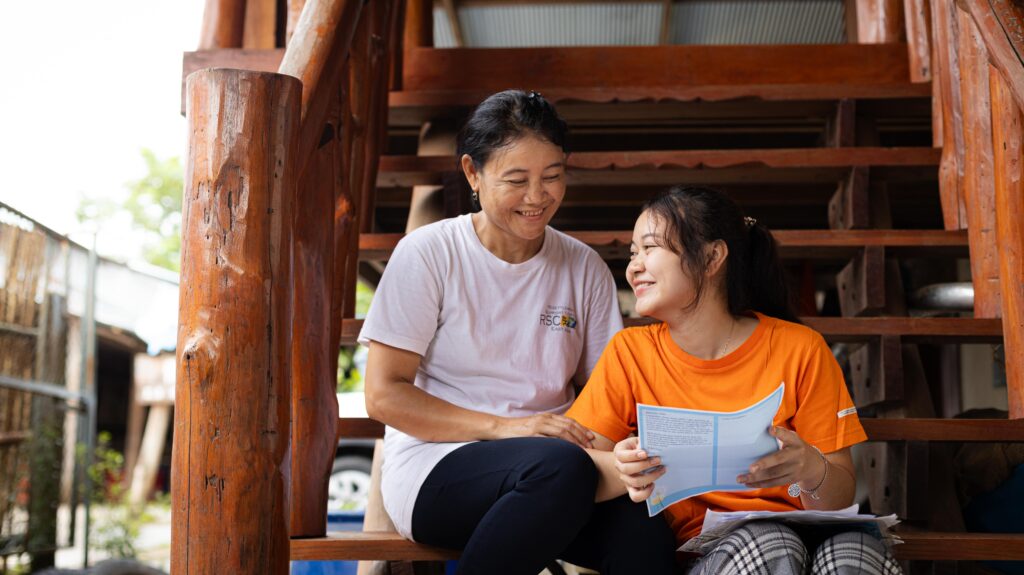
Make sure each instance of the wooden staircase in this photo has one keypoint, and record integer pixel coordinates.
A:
(858, 170)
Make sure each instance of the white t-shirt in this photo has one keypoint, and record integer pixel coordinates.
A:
(501, 338)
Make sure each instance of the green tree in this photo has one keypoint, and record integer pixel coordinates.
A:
(154, 206)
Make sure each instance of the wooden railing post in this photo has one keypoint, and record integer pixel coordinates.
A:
(1008, 143)
(223, 24)
(231, 428)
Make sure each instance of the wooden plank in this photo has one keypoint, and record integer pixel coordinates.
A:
(861, 283)
(366, 545)
(620, 70)
(877, 21)
(918, 19)
(292, 19)
(14, 437)
(835, 329)
(814, 244)
(947, 64)
(849, 207)
(223, 24)
(1002, 28)
(1008, 134)
(927, 429)
(260, 25)
(652, 167)
(978, 181)
(938, 546)
(917, 545)
(232, 412)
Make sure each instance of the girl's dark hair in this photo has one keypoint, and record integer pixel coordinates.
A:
(695, 216)
(503, 118)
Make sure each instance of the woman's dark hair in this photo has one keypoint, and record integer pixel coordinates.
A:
(503, 118)
(695, 216)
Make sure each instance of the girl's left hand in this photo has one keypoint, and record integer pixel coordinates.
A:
(796, 461)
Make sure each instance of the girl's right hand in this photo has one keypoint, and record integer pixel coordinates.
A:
(546, 425)
(636, 470)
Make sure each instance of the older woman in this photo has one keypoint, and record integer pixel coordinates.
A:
(480, 330)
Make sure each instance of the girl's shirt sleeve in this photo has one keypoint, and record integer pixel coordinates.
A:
(826, 416)
(607, 404)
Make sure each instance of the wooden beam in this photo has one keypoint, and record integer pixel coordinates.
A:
(978, 182)
(223, 24)
(665, 35)
(451, 12)
(917, 15)
(231, 427)
(1008, 135)
(366, 545)
(419, 26)
(947, 67)
(877, 21)
(861, 284)
(1001, 23)
(294, 11)
(324, 35)
(850, 208)
(260, 25)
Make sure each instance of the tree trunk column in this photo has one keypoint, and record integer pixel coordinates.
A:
(231, 425)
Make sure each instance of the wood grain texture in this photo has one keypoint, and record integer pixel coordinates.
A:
(836, 329)
(947, 64)
(878, 21)
(223, 24)
(812, 244)
(1008, 135)
(1001, 23)
(918, 19)
(978, 181)
(314, 356)
(231, 424)
(660, 167)
(260, 25)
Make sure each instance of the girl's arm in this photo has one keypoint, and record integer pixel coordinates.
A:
(830, 476)
(392, 399)
(621, 467)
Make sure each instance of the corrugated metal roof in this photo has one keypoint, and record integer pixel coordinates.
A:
(639, 23)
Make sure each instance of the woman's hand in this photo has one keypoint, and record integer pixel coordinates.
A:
(546, 425)
(796, 461)
(636, 470)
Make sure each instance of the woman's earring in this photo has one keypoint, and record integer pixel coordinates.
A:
(476, 197)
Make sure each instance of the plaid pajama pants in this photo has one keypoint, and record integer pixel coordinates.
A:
(765, 547)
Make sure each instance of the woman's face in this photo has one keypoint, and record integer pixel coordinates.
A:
(655, 272)
(520, 186)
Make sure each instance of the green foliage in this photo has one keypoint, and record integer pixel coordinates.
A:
(116, 526)
(154, 206)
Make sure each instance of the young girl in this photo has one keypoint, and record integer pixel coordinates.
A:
(727, 338)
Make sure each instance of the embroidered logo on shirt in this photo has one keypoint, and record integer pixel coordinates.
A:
(847, 411)
(558, 318)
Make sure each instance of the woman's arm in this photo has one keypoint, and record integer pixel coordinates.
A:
(831, 476)
(391, 398)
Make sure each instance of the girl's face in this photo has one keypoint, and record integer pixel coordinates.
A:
(520, 187)
(655, 272)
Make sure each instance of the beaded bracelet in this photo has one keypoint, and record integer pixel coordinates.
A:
(795, 490)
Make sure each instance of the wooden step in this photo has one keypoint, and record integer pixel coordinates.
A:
(437, 80)
(793, 244)
(362, 546)
(692, 166)
(938, 430)
(937, 330)
(849, 329)
(917, 545)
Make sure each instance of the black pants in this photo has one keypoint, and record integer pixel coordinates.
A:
(514, 505)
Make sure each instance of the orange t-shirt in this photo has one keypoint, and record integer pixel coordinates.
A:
(644, 365)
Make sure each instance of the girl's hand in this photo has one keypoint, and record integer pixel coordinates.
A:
(636, 470)
(795, 462)
(546, 425)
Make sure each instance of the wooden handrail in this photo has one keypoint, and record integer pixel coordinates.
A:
(1001, 23)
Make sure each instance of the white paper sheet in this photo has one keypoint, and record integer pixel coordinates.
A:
(719, 524)
(704, 451)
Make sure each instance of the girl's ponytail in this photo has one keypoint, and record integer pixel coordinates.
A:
(767, 286)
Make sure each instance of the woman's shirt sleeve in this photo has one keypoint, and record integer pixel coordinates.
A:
(407, 303)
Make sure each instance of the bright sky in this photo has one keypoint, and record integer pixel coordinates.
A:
(85, 86)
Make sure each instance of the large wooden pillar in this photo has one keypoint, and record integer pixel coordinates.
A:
(231, 427)
(1007, 134)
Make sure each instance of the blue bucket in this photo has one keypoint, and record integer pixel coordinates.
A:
(336, 521)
